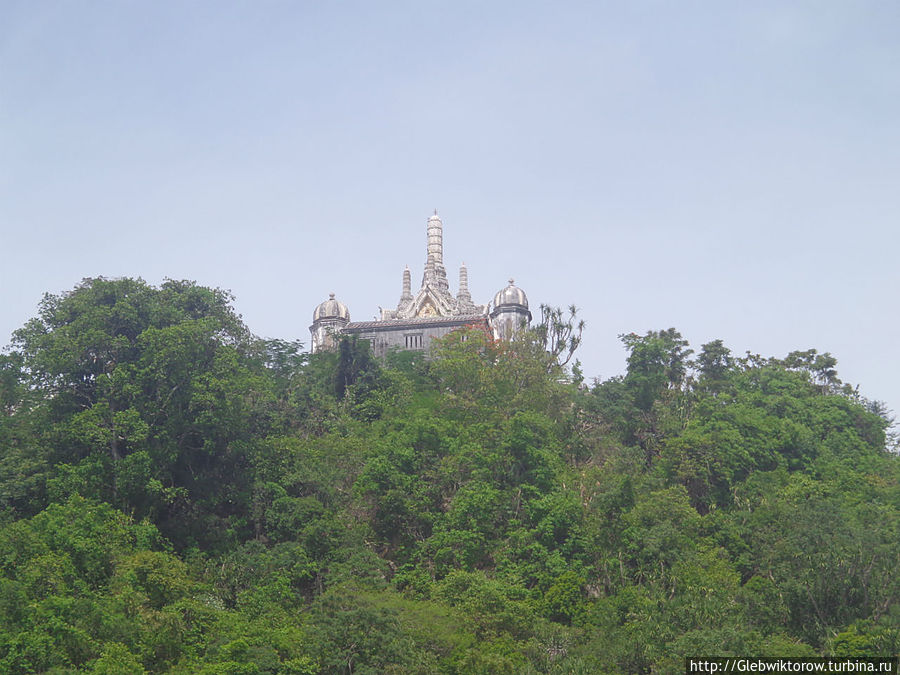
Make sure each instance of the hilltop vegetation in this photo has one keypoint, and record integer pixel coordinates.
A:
(180, 496)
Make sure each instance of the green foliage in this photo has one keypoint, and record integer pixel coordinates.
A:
(150, 398)
(559, 334)
(179, 496)
(354, 635)
(657, 361)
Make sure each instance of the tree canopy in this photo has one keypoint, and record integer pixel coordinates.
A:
(179, 496)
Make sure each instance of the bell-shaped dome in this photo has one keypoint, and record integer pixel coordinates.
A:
(331, 309)
(511, 295)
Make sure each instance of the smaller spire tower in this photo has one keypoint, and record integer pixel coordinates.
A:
(463, 297)
(407, 285)
(406, 298)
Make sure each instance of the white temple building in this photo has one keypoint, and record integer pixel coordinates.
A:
(433, 311)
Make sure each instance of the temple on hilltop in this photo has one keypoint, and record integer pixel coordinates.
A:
(432, 312)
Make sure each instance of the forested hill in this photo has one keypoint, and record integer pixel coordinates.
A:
(180, 496)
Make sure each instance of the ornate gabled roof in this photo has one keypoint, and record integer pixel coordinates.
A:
(432, 302)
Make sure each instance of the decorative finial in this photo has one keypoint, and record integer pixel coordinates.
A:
(511, 281)
(331, 296)
(435, 212)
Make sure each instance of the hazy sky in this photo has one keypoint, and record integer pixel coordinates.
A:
(731, 169)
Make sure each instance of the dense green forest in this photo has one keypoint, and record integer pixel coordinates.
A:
(178, 495)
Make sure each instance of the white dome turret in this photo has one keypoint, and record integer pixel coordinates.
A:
(331, 309)
(329, 319)
(511, 295)
(510, 313)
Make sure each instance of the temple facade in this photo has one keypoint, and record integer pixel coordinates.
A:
(433, 311)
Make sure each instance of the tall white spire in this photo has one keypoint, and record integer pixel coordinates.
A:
(435, 275)
(435, 239)
(434, 297)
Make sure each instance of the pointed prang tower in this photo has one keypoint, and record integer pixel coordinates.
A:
(433, 298)
(435, 273)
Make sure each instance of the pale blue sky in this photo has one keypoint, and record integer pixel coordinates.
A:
(731, 169)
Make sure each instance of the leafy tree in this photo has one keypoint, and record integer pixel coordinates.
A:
(714, 363)
(657, 361)
(356, 366)
(354, 635)
(820, 366)
(150, 394)
(559, 334)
